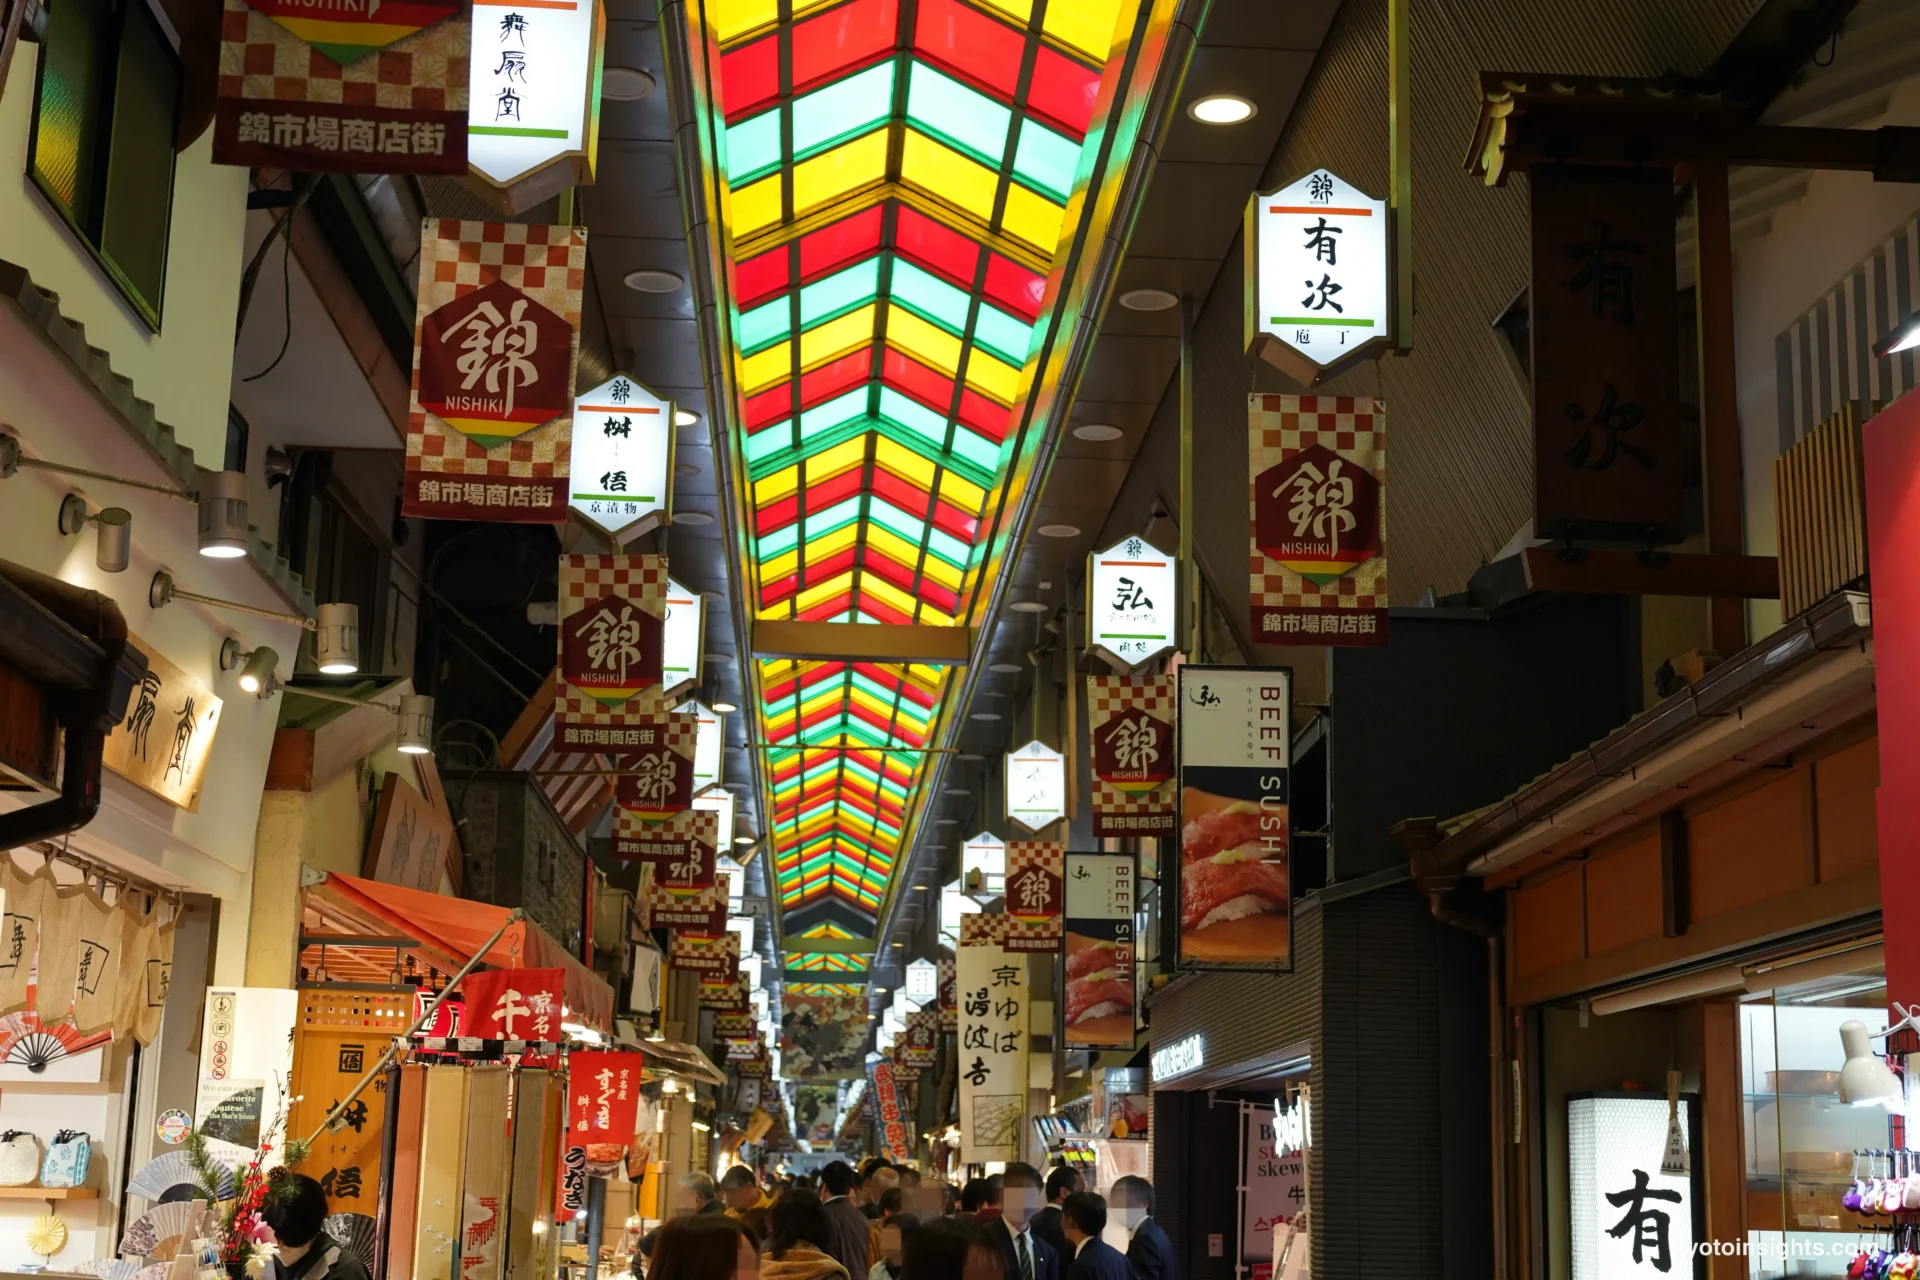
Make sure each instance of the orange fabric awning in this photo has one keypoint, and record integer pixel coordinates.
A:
(458, 928)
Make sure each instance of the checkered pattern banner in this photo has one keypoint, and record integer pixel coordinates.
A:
(521, 479)
(1035, 897)
(1318, 509)
(680, 850)
(702, 914)
(1130, 722)
(950, 988)
(716, 960)
(610, 658)
(983, 928)
(284, 104)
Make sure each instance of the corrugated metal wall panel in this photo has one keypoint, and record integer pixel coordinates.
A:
(1460, 473)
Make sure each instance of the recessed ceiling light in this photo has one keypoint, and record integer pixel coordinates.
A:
(692, 517)
(968, 755)
(1005, 668)
(722, 658)
(685, 417)
(1059, 531)
(1132, 299)
(651, 280)
(724, 707)
(958, 791)
(625, 84)
(1221, 108)
(944, 822)
(985, 715)
(743, 840)
(686, 469)
(1028, 606)
(1098, 431)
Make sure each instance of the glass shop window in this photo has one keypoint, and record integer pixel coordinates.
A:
(105, 107)
(1801, 1138)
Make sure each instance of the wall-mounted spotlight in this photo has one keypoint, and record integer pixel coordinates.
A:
(414, 709)
(335, 627)
(113, 551)
(256, 665)
(220, 495)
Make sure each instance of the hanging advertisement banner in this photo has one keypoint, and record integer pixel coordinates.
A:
(612, 617)
(1130, 726)
(993, 1041)
(1325, 238)
(1036, 786)
(603, 1107)
(1034, 901)
(495, 347)
(822, 1035)
(1318, 508)
(949, 994)
(703, 914)
(514, 1004)
(1235, 754)
(716, 960)
(1273, 1173)
(681, 851)
(728, 997)
(621, 460)
(1100, 996)
(654, 756)
(297, 90)
(534, 96)
(1133, 599)
(896, 1139)
(921, 1043)
(905, 1072)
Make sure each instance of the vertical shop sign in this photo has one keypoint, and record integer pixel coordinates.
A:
(496, 344)
(1102, 891)
(612, 619)
(993, 1041)
(164, 740)
(707, 744)
(328, 1060)
(1133, 600)
(681, 852)
(603, 1105)
(684, 641)
(896, 1141)
(1609, 454)
(1130, 725)
(719, 802)
(923, 983)
(983, 865)
(1034, 900)
(298, 89)
(514, 1004)
(622, 459)
(534, 89)
(1319, 293)
(1036, 786)
(1627, 1219)
(1273, 1173)
(1318, 510)
(949, 995)
(921, 1041)
(1235, 753)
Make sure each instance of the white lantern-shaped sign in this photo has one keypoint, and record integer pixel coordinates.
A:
(680, 639)
(721, 801)
(954, 903)
(708, 738)
(1319, 290)
(622, 459)
(533, 94)
(1036, 786)
(983, 865)
(923, 982)
(1133, 602)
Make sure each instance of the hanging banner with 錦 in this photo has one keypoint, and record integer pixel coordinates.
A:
(612, 619)
(652, 754)
(727, 997)
(921, 1041)
(1099, 993)
(949, 996)
(702, 914)
(1318, 507)
(514, 1004)
(496, 343)
(1130, 724)
(1236, 908)
(716, 960)
(681, 850)
(1034, 901)
(298, 89)
(993, 1041)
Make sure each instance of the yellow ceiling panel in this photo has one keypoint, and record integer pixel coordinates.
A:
(755, 208)
(837, 337)
(924, 342)
(839, 171)
(1033, 218)
(944, 172)
(984, 373)
(1087, 25)
(764, 368)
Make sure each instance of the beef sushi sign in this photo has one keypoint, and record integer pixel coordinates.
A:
(1235, 755)
(1101, 894)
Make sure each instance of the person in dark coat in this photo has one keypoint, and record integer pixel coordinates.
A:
(295, 1210)
(1150, 1254)
(1061, 1183)
(848, 1238)
(1026, 1255)
(1083, 1216)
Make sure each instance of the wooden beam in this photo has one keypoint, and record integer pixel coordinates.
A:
(1719, 423)
(1611, 571)
(862, 642)
(532, 718)
(1721, 1132)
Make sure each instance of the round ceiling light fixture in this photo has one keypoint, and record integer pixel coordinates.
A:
(988, 716)
(694, 518)
(653, 280)
(722, 658)
(1005, 668)
(724, 707)
(1058, 531)
(1098, 431)
(1221, 108)
(1132, 299)
(685, 417)
(1028, 606)
(625, 84)
(685, 469)
(968, 755)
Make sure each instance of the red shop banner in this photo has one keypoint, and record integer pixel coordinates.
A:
(1130, 722)
(683, 851)
(702, 914)
(1035, 898)
(513, 1004)
(603, 1108)
(949, 996)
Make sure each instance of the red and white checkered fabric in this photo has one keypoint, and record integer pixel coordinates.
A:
(1131, 813)
(1049, 856)
(262, 60)
(983, 928)
(1279, 426)
(642, 582)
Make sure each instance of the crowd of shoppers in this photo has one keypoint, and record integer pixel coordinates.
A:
(882, 1222)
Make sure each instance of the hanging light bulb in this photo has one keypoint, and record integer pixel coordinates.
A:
(336, 639)
(416, 724)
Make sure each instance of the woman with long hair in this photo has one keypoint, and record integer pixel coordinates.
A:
(703, 1247)
(950, 1249)
(796, 1224)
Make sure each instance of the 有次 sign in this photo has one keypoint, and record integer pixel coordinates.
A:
(1318, 280)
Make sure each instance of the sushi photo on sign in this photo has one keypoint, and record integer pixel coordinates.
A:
(1235, 823)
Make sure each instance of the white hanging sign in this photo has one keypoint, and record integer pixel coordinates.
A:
(721, 801)
(1627, 1218)
(1133, 591)
(707, 741)
(992, 1045)
(1319, 293)
(1036, 786)
(985, 854)
(923, 982)
(533, 87)
(954, 903)
(680, 639)
(621, 462)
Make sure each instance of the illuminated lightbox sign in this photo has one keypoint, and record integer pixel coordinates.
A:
(1626, 1219)
(954, 903)
(986, 854)
(923, 982)
(621, 461)
(721, 802)
(1185, 1055)
(1133, 591)
(680, 641)
(1036, 786)
(1318, 293)
(707, 742)
(533, 86)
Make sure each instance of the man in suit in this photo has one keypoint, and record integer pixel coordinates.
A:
(847, 1241)
(1061, 1183)
(1027, 1256)
(1150, 1254)
(1083, 1216)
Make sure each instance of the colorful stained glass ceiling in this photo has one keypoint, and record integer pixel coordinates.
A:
(900, 176)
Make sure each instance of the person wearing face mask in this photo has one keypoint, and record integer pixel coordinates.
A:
(1083, 1216)
(1150, 1253)
(1026, 1255)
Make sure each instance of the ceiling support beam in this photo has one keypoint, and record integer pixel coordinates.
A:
(862, 642)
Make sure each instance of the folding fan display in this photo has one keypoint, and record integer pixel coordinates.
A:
(148, 1234)
(32, 1045)
(355, 1233)
(163, 1173)
(109, 1268)
(157, 1271)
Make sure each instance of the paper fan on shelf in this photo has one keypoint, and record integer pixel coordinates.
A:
(163, 1173)
(148, 1234)
(109, 1268)
(355, 1233)
(47, 1235)
(158, 1271)
(31, 1044)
